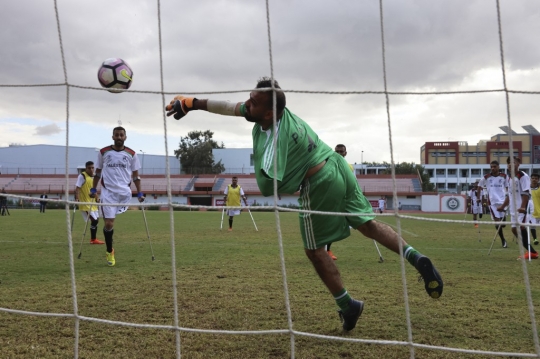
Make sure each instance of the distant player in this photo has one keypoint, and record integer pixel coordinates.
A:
(535, 204)
(42, 204)
(233, 194)
(382, 204)
(85, 182)
(474, 197)
(116, 167)
(518, 210)
(495, 184)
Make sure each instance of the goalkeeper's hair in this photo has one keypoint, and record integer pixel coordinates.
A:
(88, 164)
(266, 82)
(119, 128)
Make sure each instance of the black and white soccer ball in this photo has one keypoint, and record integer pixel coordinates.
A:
(115, 75)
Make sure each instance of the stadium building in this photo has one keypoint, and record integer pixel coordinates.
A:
(34, 169)
(454, 165)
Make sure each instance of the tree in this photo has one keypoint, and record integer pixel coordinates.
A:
(195, 153)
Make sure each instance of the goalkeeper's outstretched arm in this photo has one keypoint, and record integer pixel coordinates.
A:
(180, 106)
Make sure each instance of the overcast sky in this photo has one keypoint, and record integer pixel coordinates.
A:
(223, 45)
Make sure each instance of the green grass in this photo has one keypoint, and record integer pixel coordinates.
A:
(233, 281)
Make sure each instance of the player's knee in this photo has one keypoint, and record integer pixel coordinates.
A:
(315, 254)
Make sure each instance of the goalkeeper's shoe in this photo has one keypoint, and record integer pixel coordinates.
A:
(110, 258)
(432, 279)
(96, 241)
(350, 317)
(536, 241)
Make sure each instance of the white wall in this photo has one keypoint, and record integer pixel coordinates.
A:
(430, 203)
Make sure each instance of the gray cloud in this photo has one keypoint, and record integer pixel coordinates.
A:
(48, 130)
(222, 46)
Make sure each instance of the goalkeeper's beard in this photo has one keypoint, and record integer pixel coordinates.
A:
(250, 119)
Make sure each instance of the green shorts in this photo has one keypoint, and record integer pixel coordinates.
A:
(333, 189)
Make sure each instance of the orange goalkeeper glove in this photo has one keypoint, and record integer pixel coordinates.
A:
(180, 106)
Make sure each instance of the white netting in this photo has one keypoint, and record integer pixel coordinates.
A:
(277, 209)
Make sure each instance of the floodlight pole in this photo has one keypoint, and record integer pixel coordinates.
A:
(362, 162)
(142, 164)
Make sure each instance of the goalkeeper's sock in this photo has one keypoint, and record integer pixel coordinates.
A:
(409, 253)
(342, 300)
(108, 238)
(230, 222)
(533, 233)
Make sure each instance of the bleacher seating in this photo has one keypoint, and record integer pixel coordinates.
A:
(157, 184)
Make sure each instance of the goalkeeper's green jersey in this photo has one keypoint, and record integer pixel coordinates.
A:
(298, 149)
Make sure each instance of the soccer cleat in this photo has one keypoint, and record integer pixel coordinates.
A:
(505, 245)
(476, 225)
(110, 258)
(230, 229)
(529, 254)
(535, 241)
(430, 275)
(96, 241)
(332, 255)
(350, 317)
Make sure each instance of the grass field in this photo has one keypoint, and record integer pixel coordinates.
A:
(233, 281)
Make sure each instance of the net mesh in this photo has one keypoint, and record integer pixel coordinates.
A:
(177, 328)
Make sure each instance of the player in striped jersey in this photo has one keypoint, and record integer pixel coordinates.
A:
(116, 167)
(85, 181)
(305, 163)
(495, 184)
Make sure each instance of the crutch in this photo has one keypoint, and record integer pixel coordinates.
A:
(381, 259)
(495, 236)
(253, 220)
(222, 213)
(73, 218)
(528, 238)
(84, 235)
(148, 233)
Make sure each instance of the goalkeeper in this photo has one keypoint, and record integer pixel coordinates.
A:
(326, 184)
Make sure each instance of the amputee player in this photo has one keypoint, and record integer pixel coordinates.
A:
(85, 182)
(382, 204)
(535, 201)
(233, 194)
(116, 167)
(495, 183)
(325, 181)
(518, 210)
(475, 196)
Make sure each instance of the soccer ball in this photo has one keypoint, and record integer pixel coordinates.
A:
(115, 74)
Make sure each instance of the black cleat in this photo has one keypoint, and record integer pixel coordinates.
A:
(350, 317)
(432, 278)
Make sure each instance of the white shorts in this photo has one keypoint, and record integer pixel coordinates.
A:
(233, 212)
(496, 215)
(535, 221)
(476, 209)
(112, 197)
(93, 214)
(520, 218)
